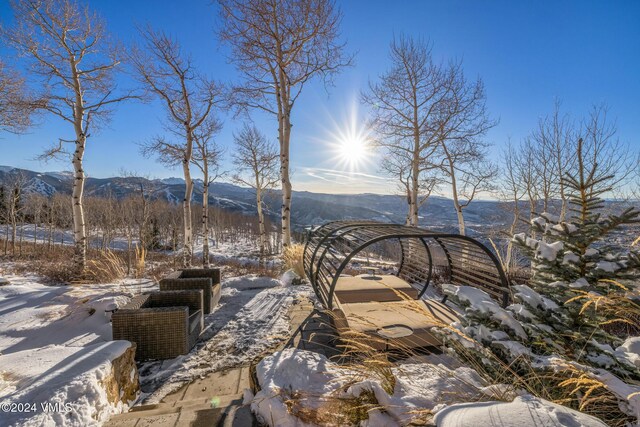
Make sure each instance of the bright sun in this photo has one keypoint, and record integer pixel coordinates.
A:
(353, 151)
(351, 144)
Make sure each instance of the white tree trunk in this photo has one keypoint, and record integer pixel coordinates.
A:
(186, 206)
(509, 255)
(263, 234)
(413, 202)
(286, 182)
(205, 220)
(284, 136)
(79, 226)
(456, 201)
(77, 209)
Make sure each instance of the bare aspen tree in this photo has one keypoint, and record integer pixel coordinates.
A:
(512, 192)
(70, 54)
(189, 98)
(278, 47)
(256, 161)
(550, 158)
(15, 108)
(407, 105)
(15, 206)
(34, 204)
(207, 157)
(463, 124)
(603, 150)
(558, 133)
(527, 175)
(397, 164)
(468, 174)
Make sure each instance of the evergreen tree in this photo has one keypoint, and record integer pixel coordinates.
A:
(576, 255)
(577, 291)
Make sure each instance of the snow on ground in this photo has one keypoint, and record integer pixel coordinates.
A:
(424, 385)
(40, 234)
(523, 411)
(55, 348)
(419, 388)
(250, 319)
(243, 251)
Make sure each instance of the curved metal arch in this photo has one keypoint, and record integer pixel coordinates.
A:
(429, 262)
(362, 234)
(430, 272)
(333, 236)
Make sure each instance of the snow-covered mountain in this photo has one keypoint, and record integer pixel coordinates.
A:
(307, 208)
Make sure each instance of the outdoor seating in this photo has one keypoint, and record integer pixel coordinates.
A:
(362, 288)
(392, 309)
(206, 279)
(162, 324)
(372, 321)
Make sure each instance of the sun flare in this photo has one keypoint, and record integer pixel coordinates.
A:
(353, 151)
(350, 142)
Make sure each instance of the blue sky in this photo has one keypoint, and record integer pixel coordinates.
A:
(527, 52)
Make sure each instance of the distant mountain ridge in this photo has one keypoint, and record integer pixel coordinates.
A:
(307, 208)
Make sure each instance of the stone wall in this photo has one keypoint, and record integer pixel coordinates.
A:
(123, 385)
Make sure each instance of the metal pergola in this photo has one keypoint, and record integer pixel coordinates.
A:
(424, 256)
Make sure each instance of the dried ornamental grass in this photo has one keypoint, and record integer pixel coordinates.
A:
(292, 257)
(107, 267)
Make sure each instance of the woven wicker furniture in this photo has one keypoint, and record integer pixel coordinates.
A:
(163, 325)
(206, 279)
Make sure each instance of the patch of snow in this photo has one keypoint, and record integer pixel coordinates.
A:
(549, 251)
(550, 217)
(482, 302)
(579, 284)
(570, 258)
(631, 345)
(172, 181)
(288, 278)
(591, 252)
(418, 388)
(538, 221)
(565, 227)
(499, 335)
(56, 348)
(629, 393)
(629, 352)
(514, 348)
(63, 376)
(534, 299)
(521, 311)
(609, 267)
(522, 411)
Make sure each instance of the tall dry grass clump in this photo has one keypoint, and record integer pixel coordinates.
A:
(140, 262)
(108, 266)
(614, 312)
(564, 382)
(292, 256)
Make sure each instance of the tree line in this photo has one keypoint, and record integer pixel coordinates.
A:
(137, 221)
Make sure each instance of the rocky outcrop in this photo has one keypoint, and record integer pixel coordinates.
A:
(123, 384)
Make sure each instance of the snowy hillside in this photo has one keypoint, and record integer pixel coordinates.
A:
(307, 208)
